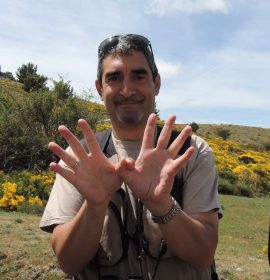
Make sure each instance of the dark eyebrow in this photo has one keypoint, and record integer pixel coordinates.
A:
(140, 71)
(112, 74)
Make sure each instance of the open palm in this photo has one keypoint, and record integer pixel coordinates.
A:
(92, 173)
(151, 176)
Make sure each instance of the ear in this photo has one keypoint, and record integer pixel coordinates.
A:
(99, 89)
(157, 84)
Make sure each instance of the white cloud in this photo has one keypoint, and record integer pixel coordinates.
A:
(204, 97)
(163, 7)
(167, 69)
(228, 78)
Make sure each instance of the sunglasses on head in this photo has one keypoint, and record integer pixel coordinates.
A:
(111, 42)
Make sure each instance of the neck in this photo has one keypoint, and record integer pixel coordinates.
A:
(128, 132)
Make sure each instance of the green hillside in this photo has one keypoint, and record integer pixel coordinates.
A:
(253, 137)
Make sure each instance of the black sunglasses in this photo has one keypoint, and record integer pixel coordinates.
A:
(111, 42)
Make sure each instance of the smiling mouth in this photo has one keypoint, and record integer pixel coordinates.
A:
(131, 100)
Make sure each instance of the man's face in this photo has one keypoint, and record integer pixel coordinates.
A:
(128, 89)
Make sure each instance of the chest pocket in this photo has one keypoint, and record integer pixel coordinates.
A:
(115, 239)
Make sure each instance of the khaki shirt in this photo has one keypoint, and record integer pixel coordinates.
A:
(199, 195)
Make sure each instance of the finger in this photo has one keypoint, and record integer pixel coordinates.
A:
(179, 162)
(149, 132)
(125, 164)
(130, 163)
(179, 141)
(164, 138)
(90, 137)
(66, 157)
(65, 173)
(73, 142)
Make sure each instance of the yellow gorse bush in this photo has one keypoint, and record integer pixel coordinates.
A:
(44, 179)
(249, 166)
(35, 201)
(225, 153)
(264, 250)
(10, 200)
(24, 189)
(102, 126)
(243, 170)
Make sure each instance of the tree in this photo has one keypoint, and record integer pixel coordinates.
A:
(194, 126)
(27, 75)
(26, 70)
(62, 88)
(223, 133)
(28, 122)
(6, 75)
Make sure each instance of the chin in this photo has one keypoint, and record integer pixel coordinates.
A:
(131, 119)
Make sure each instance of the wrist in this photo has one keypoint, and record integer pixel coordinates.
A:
(160, 208)
(169, 215)
(98, 206)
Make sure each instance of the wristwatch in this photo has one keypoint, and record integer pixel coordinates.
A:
(176, 208)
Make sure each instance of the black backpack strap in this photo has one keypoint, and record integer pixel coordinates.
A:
(105, 142)
(214, 275)
(103, 138)
(177, 190)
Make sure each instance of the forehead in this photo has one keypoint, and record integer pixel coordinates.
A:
(126, 62)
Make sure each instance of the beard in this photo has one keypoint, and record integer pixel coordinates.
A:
(129, 116)
(132, 114)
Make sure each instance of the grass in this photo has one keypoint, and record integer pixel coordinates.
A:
(25, 251)
(243, 234)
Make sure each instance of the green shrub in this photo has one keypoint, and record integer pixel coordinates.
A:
(31, 209)
(226, 187)
(228, 175)
(244, 190)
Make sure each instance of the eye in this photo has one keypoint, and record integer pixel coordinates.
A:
(113, 79)
(140, 77)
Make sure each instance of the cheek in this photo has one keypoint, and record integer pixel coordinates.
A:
(107, 97)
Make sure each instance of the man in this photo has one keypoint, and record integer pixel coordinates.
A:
(115, 218)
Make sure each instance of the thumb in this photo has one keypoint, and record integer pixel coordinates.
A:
(127, 164)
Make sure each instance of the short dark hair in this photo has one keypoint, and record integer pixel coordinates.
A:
(124, 46)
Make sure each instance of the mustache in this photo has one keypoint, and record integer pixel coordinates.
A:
(138, 97)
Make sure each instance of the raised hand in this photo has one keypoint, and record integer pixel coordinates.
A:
(151, 176)
(91, 173)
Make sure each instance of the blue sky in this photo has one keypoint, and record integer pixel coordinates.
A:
(213, 55)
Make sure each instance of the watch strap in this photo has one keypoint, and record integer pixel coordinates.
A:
(176, 208)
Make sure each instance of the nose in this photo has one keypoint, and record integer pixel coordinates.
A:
(127, 93)
(127, 89)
